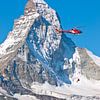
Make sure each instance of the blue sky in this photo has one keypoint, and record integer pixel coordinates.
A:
(71, 12)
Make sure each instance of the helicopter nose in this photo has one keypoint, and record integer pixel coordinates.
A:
(80, 31)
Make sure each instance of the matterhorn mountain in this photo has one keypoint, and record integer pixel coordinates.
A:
(37, 63)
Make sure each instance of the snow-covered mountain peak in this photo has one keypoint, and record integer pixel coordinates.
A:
(34, 54)
(39, 1)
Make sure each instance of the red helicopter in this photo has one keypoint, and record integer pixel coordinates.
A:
(74, 31)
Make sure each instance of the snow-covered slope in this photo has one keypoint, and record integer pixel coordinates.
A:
(94, 57)
(37, 61)
(16, 38)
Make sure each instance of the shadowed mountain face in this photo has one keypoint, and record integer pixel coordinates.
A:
(37, 53)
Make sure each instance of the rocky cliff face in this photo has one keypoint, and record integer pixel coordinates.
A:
(35, 53)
